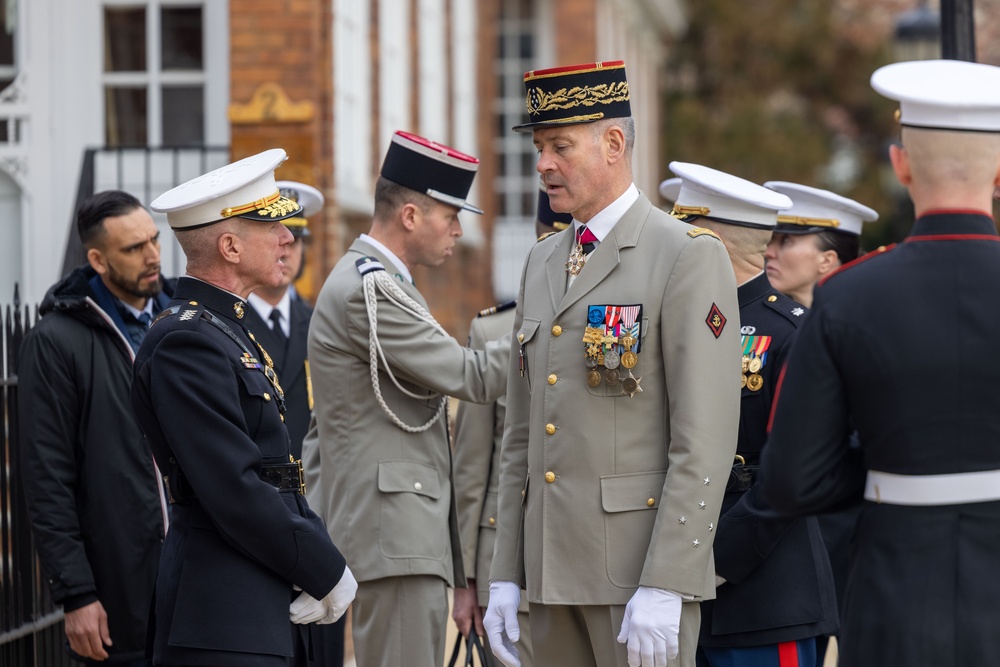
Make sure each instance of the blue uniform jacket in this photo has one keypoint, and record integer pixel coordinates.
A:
(904, 345)
(236, 544)
(779, 582)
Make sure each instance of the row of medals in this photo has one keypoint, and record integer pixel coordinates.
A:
(751, 373)
(612, 361)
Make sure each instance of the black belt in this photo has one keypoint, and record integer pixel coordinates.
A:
(285, 476)
(741, 477)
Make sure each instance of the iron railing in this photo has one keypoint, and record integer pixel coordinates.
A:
(31, 625)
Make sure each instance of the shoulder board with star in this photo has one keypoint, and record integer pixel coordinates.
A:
(702, 231)
(499, 308)
(881, 250)
(183, 316)
(785, 306)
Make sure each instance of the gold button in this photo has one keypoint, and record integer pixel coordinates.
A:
(550, 477)
(553, 379)
(267, 396)
(651, 502)
(556, 330)
(520, 338)
(493, 521)
(193, 303)
(550, 428)
(772, 298)
(418, 486)
(522, 493)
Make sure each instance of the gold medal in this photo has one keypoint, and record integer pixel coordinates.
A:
(743, 381)
(628, 341)
(755, 382)
(612, 376)
(755, 365)
(746, 362)
(629, 359)
(593, 378)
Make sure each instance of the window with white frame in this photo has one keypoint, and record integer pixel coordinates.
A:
(155, 73)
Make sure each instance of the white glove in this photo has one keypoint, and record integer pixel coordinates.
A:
(307, 609)
(650, 628)
(500, 621)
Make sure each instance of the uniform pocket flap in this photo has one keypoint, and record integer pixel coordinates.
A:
(527, 330)
(408, 477)
(633, 491)
(256, 383)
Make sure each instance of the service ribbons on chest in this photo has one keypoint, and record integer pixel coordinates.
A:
(612, 341)
(754, 358)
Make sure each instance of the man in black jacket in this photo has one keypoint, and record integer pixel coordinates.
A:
(92, 488)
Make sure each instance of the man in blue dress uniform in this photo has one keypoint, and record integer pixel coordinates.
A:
(903, 344)
(242, 541)
(775, 588)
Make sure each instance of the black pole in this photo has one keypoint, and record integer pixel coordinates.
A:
(958, 30)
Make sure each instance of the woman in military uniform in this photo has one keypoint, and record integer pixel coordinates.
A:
(807, 243)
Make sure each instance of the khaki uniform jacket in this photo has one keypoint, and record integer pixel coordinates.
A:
(624, 491)
(388, 498)
(478, 434)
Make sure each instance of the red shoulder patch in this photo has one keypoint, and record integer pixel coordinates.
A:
(716, 321)
(864, 258)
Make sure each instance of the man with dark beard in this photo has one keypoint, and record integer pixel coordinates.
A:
(96, 503)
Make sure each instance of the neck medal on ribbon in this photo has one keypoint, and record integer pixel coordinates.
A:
(611, 347)
(754, 358)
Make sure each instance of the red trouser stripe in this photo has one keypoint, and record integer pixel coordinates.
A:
(788, 654)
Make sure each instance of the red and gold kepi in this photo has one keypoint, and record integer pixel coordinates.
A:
(575, 94)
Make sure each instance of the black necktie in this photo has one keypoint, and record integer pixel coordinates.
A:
(279, 333)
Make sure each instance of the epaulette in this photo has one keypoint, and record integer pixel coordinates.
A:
(368, 264)
(702, 231)
(545, 236)
(499, 308)
(791, 309)
(881, 250)
(189, 312)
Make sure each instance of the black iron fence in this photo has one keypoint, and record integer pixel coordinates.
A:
(31, 627)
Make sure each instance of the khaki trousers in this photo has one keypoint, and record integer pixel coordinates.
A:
(400, 622)
(587, 635)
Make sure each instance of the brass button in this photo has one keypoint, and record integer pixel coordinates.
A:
(193, 303)
(522, 493)
(520, 338)
(267, 396)
(550, 477)
(772, 299)
(550, 428)
(493, 521)
(556, 330)
(651, 502)
(418, 486)
(553, 379)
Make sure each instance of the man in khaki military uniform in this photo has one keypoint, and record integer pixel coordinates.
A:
(622, 402)
(382, 368)
(478, 434)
